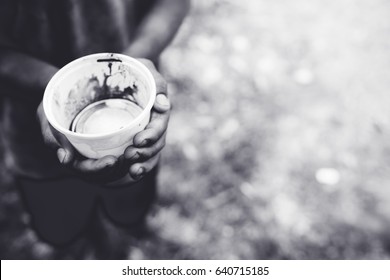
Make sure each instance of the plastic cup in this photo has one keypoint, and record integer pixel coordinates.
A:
(103, 78)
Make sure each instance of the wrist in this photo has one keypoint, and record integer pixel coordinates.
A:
(143, 49)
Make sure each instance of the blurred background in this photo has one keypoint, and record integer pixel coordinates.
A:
(279, 139)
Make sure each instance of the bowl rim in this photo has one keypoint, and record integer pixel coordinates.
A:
(65, 69)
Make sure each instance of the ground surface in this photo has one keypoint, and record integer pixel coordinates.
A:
(279, 141)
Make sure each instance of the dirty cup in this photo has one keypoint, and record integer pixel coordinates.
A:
(99, 102)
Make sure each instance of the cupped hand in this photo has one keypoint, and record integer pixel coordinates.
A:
(97, 170)
(144, 154)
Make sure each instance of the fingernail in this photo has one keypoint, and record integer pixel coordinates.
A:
(109, 163)
(139, 172)
(144, 143)
(134, 157)
(61, 154)
(162, 100)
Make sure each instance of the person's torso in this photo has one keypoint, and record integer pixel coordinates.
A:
(62, 30)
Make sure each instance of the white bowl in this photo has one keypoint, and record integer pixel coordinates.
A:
(92, 78)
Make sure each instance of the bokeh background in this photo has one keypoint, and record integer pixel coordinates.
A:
(279, 139)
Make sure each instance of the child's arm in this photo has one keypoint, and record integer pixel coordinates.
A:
(158, 28)
(26, 74)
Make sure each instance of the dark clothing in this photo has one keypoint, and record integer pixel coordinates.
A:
(62, 209)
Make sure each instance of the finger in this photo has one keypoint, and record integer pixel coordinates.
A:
(162, 104)
(51, 141)
(48, 137)
(153, 131)
(138, 170)
(133, 154)
(66, 152)
(47, 134)
(161, 84)
(93, 166)
(55, 139)
(119, 169)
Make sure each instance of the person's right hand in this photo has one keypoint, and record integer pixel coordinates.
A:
(105, 169)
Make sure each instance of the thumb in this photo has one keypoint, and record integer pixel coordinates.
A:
(162, 103)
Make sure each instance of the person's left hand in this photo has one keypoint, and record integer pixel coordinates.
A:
(144, 154)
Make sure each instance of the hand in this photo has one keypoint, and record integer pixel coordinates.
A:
(144, 154)
(137, 160)
(100, 170)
